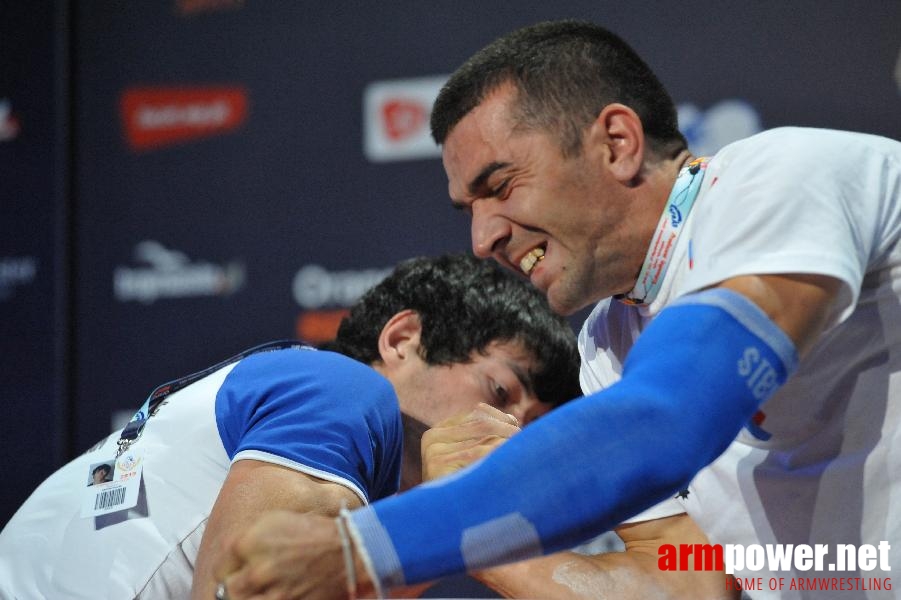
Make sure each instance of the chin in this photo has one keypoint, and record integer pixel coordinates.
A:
(567, 304)
(561, 308)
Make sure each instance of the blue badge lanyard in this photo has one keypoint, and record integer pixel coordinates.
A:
(132, 431)
(678, 206)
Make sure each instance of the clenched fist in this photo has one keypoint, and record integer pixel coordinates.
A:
(463, 439)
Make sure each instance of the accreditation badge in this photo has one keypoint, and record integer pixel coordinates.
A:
(118, 490)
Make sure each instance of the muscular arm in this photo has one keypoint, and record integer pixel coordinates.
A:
(631, 574)
(798, 304)
(251, 488)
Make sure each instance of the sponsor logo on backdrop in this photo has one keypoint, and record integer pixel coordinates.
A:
(317, 287)
(192, 7)
(396, 119)
(9, 122)
(325, 297)
(317, 326)
(170, 274)
(155, 117)
(15, 272)
(724, 122)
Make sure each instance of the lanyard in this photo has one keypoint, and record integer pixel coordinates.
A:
(679, 204)
(135, 427)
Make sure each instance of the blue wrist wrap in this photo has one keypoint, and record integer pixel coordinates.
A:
(695, 376)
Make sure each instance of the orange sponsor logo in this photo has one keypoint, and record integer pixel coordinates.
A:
(154, 117)
(319, 326)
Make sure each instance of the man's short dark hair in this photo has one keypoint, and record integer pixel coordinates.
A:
(464, 304)
(105, 468)
(565, 73)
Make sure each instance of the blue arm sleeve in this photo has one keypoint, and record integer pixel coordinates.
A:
(693, 379)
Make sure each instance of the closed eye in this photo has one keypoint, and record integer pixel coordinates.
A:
(498, 192)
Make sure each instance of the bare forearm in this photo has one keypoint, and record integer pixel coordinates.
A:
(620, 575)
(553, 577)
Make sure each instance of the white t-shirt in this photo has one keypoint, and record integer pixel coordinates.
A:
(316, 412)
(824, 466)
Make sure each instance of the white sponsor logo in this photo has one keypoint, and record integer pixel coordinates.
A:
(803, 557)
(316, 287)
(724, 122)
(171, 275)
(396, 119)
(760, 376)
(16, 271)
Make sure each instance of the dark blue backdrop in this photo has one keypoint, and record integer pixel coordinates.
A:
(139, 244)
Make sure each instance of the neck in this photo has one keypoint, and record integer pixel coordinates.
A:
(682, 190)
(677, 164)
(411, 470)
(656, 179)
(685, 157)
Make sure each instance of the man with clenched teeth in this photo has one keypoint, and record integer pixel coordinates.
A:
(745, 341)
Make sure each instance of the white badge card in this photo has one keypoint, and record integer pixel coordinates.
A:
(112, 485)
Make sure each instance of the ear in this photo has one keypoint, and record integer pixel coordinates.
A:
(399, 339)
(618, 132)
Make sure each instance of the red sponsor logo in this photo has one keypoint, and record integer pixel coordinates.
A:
(189, 7)
(160, 116)
(403, 118)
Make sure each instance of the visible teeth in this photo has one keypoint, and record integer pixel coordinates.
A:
(528, 262)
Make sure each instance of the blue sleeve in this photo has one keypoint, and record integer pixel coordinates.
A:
(318, 412)
(694, 378)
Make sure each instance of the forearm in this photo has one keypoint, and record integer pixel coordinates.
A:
(561, 576)
(252, 488)
(630, 574)
(571, 576)
(614, 575)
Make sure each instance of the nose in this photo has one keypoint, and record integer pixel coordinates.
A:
(490, 230)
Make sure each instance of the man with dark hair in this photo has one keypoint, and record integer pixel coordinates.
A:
(565, 73)
(747, 319)
(287, 426)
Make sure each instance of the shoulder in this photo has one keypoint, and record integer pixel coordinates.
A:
(273, 400)
(306, 381)
(310, 367)
(786, 148)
